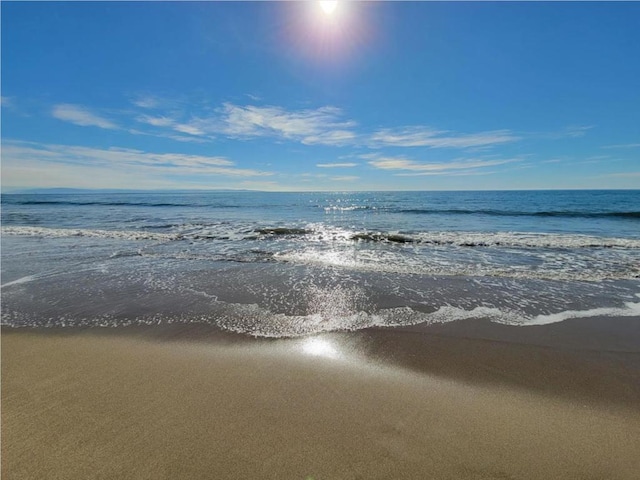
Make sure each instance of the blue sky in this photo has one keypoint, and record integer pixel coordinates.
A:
(283, 96)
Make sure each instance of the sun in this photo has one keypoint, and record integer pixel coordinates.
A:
(328, 7)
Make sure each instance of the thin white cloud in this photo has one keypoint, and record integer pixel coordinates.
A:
(320, 126)
(448, 173)
(193, 133)
(156, 121)
(420, 136)
(441, 168)
(81, 116)
(188, 129)
(325, 125)
(311, 126)
(134, 162)
(183, 138)
(575, 131)
(335, 137)
(336, 165)
(572, 131)
(146, 101)
(624, 145)
(345, 178)
(179, 138)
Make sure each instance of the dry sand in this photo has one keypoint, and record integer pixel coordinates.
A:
(439, 404)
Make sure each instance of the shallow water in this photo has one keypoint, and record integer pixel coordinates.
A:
(277, 264)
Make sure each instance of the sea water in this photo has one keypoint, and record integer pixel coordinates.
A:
(287, 264)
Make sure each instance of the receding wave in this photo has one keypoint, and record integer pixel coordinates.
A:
(261, 322)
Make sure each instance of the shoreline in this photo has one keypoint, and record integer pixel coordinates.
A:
(470, 400)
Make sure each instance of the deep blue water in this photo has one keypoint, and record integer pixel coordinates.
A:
(606, 213)
(293, 263)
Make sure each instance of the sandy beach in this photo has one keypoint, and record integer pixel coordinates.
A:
(466, 400)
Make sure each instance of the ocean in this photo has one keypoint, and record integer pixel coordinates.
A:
(291, 264)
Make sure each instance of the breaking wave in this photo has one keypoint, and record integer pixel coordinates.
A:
(511, 213)
(329, 235)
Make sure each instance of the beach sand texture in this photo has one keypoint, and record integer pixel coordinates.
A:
(89, 404)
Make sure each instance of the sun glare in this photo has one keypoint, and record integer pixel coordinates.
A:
(328, 7)
(328, 33)
(319, 347)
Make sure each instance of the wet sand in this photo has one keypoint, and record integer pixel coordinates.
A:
(469, 400)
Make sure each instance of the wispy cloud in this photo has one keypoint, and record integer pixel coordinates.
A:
(575, 131)
(160, 121)
(312, 126)
(345, 178)
(49, 157)
(623, 145)
(336, 165)
(146, 101)
(326, 125)
(441, 168)
(572, 131)
(420, 136)
(81, 116)
(188, 129)
(622, 174)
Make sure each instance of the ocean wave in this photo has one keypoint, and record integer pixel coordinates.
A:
(81, 232)
(510, 213)
(351, 208)
(104, 203)
(499, 239)
(283, 231)
(622, 215)
(320, 233)
(117, 203)
(567, 267)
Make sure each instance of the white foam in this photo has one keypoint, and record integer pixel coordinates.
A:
(538, 264)
(525, 240)
(629, 310)
(27, 279)
(81, 232)
(281, 325)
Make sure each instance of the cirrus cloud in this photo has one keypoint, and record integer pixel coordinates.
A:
(311, 126)
(82, 116)
(420, 136)
(336, 165)
(440, 168)
(121, 165)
